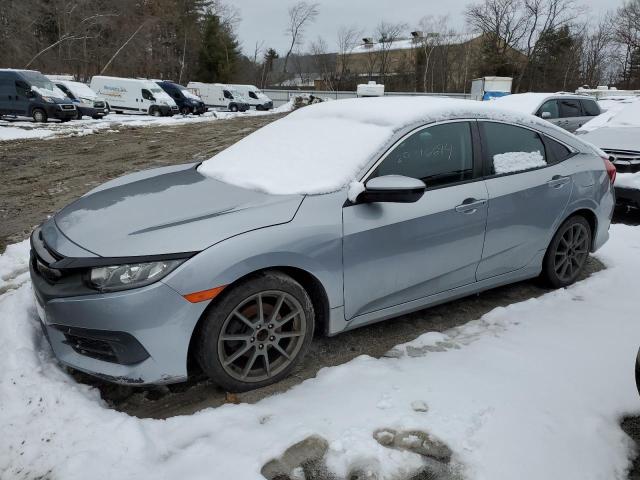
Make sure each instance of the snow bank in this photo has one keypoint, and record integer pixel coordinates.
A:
(531, 391)
(323, 147)
(517, 161)
(17, 133)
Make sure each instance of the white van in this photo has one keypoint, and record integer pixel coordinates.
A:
(86, 100)
(254, 96)
(134, 95)
(219, 95)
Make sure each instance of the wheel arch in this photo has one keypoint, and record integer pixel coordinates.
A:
(590, 216)
(308, 281)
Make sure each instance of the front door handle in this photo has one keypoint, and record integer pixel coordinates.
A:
(558, 181)
(470, 205)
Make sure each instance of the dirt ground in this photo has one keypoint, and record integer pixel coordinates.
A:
(40, 176)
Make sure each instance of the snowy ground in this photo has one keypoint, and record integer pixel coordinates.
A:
(23, 129)
(531, 391)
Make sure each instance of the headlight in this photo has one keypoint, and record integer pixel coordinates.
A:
(133, 275)
(47, 99)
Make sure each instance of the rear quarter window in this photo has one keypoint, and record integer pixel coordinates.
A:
(556, 152)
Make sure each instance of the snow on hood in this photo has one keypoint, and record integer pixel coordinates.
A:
(523, 102)
(323, 147)
(623, 113)
(80, 90)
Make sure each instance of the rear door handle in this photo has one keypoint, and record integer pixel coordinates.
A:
(470, 205)
(558, 181)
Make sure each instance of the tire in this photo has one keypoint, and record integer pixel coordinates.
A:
(567, 253)
(97, 117)
(185, 110)
(78, 115)
(233, 108)
(118, 112)
(262, 352)
(39, 115)
(155, 112)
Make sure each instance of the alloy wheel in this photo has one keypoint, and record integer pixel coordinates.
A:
(262, 336)
(571, 252)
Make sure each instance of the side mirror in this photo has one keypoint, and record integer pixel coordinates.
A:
(546, 115)
(392, 188)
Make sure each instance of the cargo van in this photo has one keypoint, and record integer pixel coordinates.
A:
(218, 95)
(133, 95)
(86, 101)
(254, 97)
(28, 93)
(187, 101)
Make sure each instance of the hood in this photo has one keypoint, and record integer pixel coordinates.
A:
(614, 138)
(168, 210)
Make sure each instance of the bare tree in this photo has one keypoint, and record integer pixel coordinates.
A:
(348, 38)
(300, 15)
(325, 63)
(596, 50)
(387, 34)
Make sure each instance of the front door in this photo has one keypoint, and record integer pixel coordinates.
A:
(397, 252)
(528, 194)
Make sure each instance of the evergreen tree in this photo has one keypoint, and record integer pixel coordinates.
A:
(219, 52)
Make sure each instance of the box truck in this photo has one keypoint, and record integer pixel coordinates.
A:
(486, 88)
(219, 95)
(133, 95)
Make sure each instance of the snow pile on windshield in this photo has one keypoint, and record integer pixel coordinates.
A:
(621, 113)
(80, 90)
(190, 95)
(323, 147)
(517, 161)
(47, 92)
(518, 394)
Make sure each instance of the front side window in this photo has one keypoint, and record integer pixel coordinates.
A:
(570, 108)
(66, 91)
(22, 88)
(512, 149)
(253, 95)
(551, 109)
(146, 94)
(227, 94)
(437, 155)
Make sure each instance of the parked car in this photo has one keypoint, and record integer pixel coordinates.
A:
(218, 95)
(336, 216)
(187, 101)
(133, 95)
(565, 110)
(254, 97)
(617, 132)
(86, 101)
(28, 93)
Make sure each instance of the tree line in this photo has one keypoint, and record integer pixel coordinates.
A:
(545, 45)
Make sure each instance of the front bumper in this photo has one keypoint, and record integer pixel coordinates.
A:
(629, 197)
(59, 112)
(137, 337)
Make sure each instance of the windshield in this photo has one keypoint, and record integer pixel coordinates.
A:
(189, 94)
(42, 85)
(80, 90)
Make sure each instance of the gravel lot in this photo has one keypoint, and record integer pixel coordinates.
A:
(40, 176)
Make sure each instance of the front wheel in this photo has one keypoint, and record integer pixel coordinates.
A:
(256, 333)
(39, 115)
(155, 111)
(568, 252)
(233, 108)
(185, 110)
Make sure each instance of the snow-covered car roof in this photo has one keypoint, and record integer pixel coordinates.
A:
(530, 102)
(323, 147)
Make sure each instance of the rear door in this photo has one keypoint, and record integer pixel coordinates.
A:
(571, 115)
(528, 193)
(550, 111)
(590, 109)
(7, 93)
(394, 253)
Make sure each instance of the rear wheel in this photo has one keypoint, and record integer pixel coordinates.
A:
(256, 333)
(39, 115)
(568, 252)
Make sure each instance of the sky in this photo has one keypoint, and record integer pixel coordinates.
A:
(265, 20)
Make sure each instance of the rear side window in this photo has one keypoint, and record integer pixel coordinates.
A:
(551, 107)
(438, 155)
(511, 149)
(570, 108)
(591, 108)
(556, 152)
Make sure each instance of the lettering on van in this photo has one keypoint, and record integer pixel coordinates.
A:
(112, 91)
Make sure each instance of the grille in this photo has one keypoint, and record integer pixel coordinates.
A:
(91, 347)
(68, 107)
(626, 161)
(175, 108)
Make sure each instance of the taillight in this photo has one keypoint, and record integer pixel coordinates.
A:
(611, 169)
